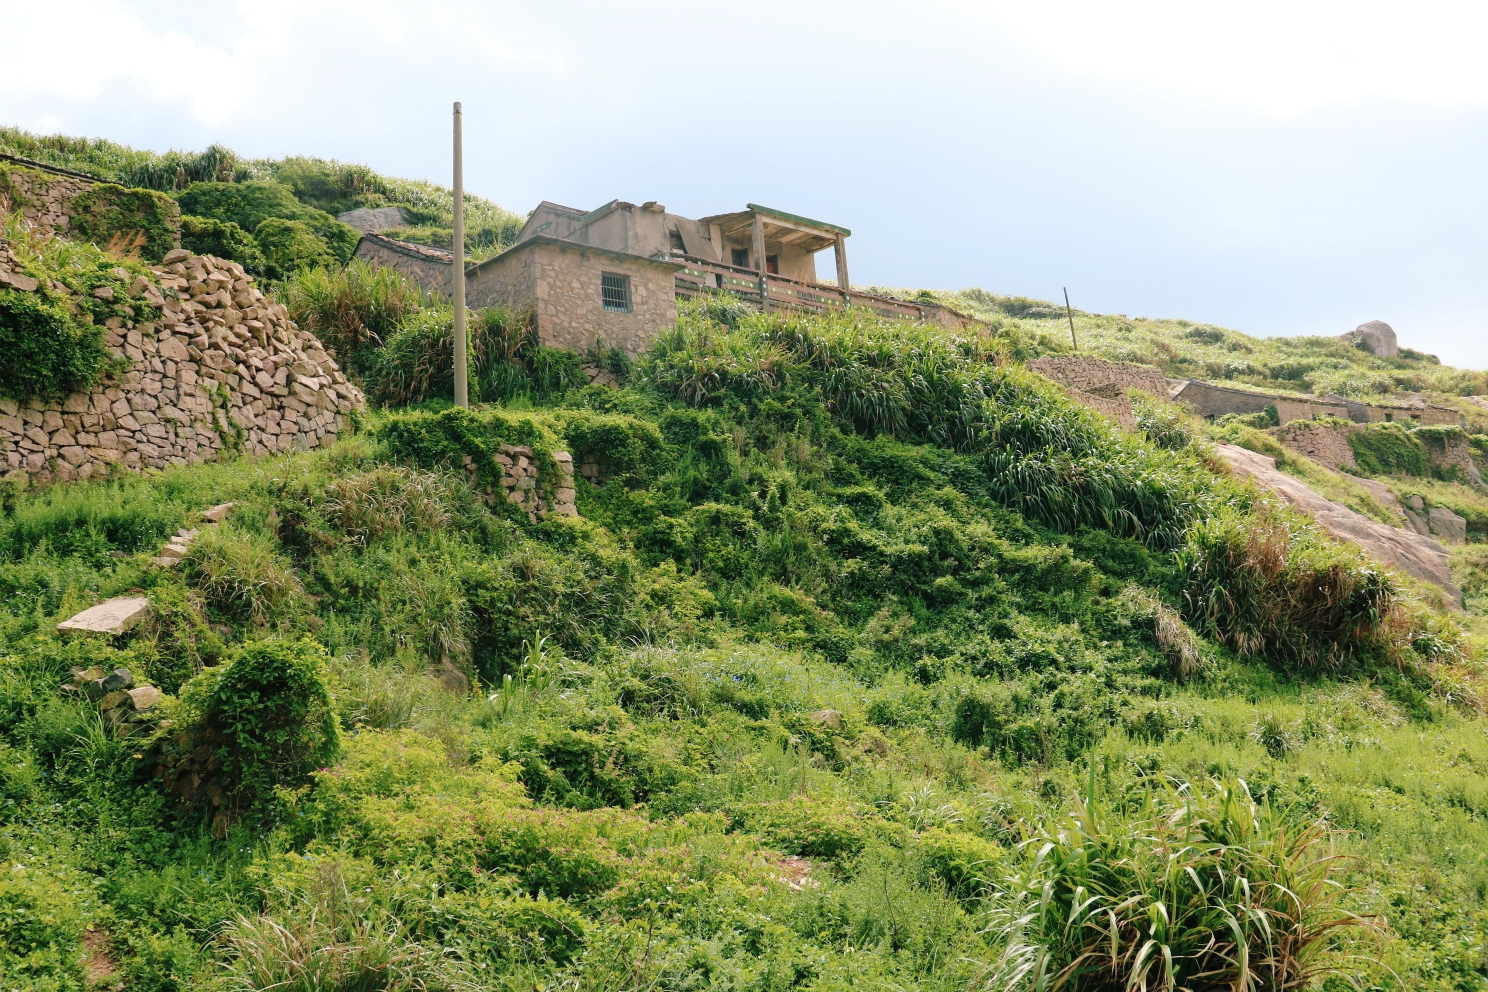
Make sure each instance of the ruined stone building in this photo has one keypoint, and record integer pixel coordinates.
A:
(611, 276)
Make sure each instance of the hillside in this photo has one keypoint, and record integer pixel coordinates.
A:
(1184, 349)
(869, 659)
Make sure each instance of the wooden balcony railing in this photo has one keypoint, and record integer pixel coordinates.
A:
(704, 276)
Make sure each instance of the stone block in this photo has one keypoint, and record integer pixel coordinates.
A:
(109, 618)
(217, 513)
(145, 697)
(1447, 525)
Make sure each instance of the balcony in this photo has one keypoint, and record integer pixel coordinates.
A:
(704, 276)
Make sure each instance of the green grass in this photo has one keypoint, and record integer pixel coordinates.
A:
(872, 661)
(792, 705)
(1185, 349)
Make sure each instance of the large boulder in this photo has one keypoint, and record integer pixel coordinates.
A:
(1375, 337)
(1447, 525)
(372, 219)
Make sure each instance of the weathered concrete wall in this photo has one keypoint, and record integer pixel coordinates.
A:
(560, 284)
(1326, 444)
(431, 268)
(1215, 401)
(223, 369)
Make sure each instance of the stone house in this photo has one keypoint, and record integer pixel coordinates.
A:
(1209, 400)
(580, 296)
(611, 276)
(431, 268)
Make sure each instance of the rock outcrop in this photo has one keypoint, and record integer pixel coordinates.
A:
(1412, 553)
(1375, 337)
(223, 369)
(372, 219)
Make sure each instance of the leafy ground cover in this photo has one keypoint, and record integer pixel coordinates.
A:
(872, 660)
(226, 199)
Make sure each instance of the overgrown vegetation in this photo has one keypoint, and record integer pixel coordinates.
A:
(867, 661)
(51, 343)
(871, 661)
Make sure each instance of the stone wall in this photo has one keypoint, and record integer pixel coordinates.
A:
(222, 370)
(1101, 385)
(431, 268)
(559, 283)
(1100, 377)
(522, 488)
(1326, 444)
(68, 204)
(1208, 400)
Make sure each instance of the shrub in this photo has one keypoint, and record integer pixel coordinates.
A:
(222, 239)
(289, 246)
(820, 828)
(271, 706)
(249, 204)
(355, 310)
(45, 351)
(1199, 889)
(1268, 585)
(1389, 449)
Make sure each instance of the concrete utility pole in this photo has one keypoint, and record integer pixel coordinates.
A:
(462, 385)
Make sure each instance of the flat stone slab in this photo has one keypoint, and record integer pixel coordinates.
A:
(111, 618)
(217, 513)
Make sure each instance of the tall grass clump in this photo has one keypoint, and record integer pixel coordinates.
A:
(243, 577)
(356, 310)
(1267, 584)
(505, 361)
(1199, 889)
(1052, 460)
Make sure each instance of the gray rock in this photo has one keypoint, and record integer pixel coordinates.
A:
(1412, 553)
(1447, 525)
(119, 678)
(145, 697)
(1375, 337)
(372, 219)
(109, 618)
(1416, 503)
(1417, 523)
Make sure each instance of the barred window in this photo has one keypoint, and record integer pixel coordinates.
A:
(614, 292)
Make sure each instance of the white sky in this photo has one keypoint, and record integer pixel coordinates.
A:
(1282, 168)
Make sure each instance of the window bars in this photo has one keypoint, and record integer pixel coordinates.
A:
(614, 292)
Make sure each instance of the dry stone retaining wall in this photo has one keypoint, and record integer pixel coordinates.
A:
(1326, 444)
(1096, 375)
(1101, 385)
(223, 369)
(69, 204)
(523, 488)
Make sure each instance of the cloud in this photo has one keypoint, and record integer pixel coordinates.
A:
(1279, 57)
(81, 49)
